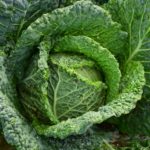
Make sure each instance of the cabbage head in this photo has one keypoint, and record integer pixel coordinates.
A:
(66, 69)
(72, 86)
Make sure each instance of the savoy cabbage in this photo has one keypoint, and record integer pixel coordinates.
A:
(64, 70)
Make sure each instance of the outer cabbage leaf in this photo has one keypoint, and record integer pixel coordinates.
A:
(138, 121)
(33, 89)
(134, 15)
(94, 139)
(15, 128)
(11, 15)
(15, 15)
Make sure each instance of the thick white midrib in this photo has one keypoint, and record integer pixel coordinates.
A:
(55, 95)
(130, 30)
(137, 49)
(2, 25)
(145, 50)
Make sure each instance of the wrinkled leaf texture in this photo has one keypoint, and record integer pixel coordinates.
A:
(134, 15)
(17, 130)
(57, 23)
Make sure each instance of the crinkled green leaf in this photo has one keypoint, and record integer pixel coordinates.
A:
(15, 15)
(33, 88)
(11, 16)
(37, 8)
(134, 15)
(83, 20)
(138, 121)
(16, 129)
(93, 50)
(94, 139)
